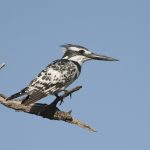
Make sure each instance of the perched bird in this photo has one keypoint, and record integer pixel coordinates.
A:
(58, 75)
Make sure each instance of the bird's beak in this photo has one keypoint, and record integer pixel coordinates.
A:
(101, 57)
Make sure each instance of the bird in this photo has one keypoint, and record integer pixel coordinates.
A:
(59, 74)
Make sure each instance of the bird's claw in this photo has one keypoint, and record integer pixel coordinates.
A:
(61, 100)
(66, 93)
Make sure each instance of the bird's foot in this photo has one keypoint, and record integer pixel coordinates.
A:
(59, 98)
(66, 92)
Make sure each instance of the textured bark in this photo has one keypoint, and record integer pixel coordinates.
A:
(50, 111)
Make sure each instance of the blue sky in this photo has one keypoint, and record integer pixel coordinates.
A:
(115, 95)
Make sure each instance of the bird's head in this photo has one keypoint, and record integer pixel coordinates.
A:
(81, 54)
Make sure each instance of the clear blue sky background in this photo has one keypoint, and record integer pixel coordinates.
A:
(115, 95)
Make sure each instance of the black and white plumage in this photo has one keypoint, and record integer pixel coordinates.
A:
(58, 75)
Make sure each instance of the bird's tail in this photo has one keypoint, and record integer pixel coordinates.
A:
(30, 99)
(16, 95)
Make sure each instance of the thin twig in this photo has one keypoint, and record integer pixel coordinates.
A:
(66, 93)
(2, 65)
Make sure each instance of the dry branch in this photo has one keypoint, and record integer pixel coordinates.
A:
(50, 111)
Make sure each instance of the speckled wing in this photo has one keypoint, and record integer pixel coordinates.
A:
(52, 80)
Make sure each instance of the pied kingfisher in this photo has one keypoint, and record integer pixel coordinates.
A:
(58, 75)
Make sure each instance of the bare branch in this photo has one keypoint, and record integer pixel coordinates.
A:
(51, 111)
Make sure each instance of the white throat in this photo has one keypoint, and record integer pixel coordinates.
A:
(78, 58)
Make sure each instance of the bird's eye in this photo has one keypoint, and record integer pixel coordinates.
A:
(81, 51)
